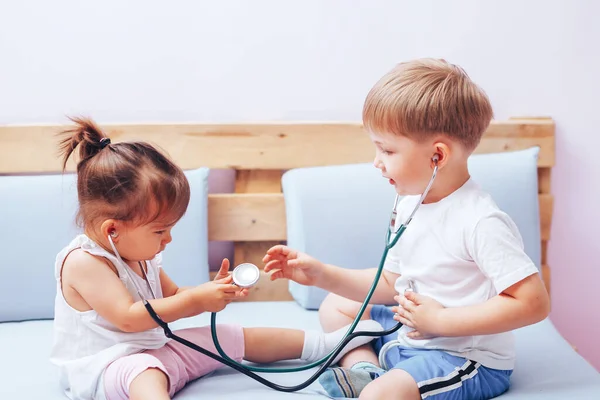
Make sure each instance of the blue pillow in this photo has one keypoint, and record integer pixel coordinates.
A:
(37, 218)
(340, 214)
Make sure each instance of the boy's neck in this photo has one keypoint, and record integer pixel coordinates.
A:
(447, 181)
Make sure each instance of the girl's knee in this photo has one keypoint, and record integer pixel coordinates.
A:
(150, 384)
(120, 374)
(230, 337)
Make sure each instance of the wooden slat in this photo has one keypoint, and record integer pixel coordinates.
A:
(546, 276)
(32, 149)
(546, 207)
(502, 144)
(544, 251)
(265, 289)
(258, 181)
(261, 216)
(246, 217)
(544, 180)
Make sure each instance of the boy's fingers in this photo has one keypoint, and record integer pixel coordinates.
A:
(274, 264)
(278, 274)
(405, 303)
(404, 321)
(281, 249)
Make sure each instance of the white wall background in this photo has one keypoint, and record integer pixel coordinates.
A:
(315, 60)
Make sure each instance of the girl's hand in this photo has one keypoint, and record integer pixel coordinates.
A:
(223, 271)
(215, 295)
(419, 312)
(290, 264)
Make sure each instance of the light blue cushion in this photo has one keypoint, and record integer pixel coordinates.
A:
(37, 220)
(540, 373)
(340, 214)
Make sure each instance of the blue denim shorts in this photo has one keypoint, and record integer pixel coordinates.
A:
(440, 375)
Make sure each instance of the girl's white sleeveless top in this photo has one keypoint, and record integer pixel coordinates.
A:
(84, 342)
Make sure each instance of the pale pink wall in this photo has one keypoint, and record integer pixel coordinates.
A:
(575, 242)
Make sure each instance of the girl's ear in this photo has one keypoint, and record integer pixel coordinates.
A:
(110, 227)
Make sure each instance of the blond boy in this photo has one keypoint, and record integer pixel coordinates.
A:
(462, 255)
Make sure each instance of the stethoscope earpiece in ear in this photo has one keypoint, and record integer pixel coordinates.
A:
(114, 234)
(435, 158)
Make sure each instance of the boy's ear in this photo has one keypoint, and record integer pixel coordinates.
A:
(442, 152)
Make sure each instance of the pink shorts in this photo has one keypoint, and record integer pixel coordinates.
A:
(180, 363)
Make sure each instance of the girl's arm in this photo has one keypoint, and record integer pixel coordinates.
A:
(102, 290)
(169, 288)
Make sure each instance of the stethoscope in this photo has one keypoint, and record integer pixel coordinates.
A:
(245, 275)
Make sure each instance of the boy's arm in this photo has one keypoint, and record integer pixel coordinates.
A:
(355, 284)
(524, 303)
(497, 249)
(285, 262)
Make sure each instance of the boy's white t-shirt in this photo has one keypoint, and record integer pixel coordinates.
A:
(460, 251)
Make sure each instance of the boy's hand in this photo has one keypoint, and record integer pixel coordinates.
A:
(290, 264)
(420, 313)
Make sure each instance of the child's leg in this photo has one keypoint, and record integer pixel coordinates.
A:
(423, 373)
(186, 364)
(394, 385)
(138, 376)
(265, 345)
(336, 312)
(260, 346)
(361, 366)
(151, 384)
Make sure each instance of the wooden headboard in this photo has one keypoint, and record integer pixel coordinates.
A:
(254, 216)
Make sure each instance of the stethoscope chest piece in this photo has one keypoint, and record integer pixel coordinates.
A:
(246, 275)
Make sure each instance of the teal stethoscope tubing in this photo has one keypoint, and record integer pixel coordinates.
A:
(326, 361)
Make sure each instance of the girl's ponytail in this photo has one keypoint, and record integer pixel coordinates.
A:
(128, 181)
(87, 135)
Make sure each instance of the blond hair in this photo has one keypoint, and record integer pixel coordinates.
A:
(425, 97)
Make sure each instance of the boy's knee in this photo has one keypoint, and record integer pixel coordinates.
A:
(395, 384)
(336, 311)
(330, 303)
(334, 303)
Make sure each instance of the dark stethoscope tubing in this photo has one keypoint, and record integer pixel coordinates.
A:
(327, 360)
